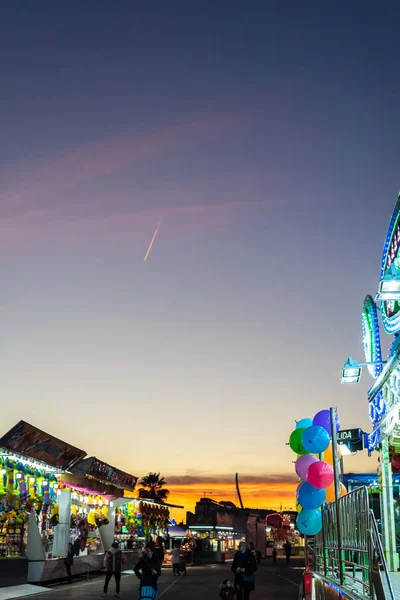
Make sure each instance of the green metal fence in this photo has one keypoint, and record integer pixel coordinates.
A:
(357, 562)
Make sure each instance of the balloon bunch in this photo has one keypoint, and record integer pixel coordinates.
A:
(311, 440)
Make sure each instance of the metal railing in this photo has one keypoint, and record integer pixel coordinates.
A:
(379, 572)
(359, 564)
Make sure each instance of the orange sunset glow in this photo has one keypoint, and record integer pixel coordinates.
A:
(255, 494)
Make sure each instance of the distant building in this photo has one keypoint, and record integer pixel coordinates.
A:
(222, 525)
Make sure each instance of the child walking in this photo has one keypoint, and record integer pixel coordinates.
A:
(227, 590)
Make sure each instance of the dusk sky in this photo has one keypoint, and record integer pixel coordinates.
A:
(265, 136)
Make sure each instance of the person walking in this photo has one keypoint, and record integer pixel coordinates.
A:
(176, 560)
(148, 570)
(113, 562)
(274, 553)
(287, 547)
(159, 550)
(182, 565)
(244, 566)
(69, 561)
(129, 543)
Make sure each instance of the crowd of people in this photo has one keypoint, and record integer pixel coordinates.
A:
(148, 569)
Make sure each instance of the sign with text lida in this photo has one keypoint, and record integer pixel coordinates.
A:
(27, 440)
(352, 438)
(349, 435)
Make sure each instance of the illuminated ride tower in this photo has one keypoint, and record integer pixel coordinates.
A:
(384, 394)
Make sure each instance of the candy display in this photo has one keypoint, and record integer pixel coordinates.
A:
(25, 487)
(138, 520)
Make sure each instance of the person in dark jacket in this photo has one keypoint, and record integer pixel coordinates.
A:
(288, 550)
(113, 561)
(69, 561)
(159, 550)
(148, 570)
(244, 566)
(129, 544)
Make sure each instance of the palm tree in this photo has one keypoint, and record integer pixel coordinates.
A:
(153, 487)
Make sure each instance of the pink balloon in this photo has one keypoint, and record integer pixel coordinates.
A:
(320, 474)
(302, 464)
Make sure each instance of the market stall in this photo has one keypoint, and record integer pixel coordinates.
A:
(178, 536)
(88, 497)
(280, 528)
(214, 543)
(138, 520)
(30, 463)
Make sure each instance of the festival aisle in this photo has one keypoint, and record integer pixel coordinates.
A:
(279, 581)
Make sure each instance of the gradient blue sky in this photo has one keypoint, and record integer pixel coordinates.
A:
(265, 135)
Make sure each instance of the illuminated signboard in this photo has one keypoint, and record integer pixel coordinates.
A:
(106, 473)
(27, 440)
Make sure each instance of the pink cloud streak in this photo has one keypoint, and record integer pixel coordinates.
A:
(105, 157)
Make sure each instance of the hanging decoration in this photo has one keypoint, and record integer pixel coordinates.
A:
(312, 442)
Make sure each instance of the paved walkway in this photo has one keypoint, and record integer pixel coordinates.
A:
(273, 582)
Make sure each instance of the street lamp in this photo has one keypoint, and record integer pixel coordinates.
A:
(351, 372)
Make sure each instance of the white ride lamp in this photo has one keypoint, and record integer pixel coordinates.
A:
(351, 372)
(389, 286)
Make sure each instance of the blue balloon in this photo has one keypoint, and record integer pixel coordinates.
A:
(304, 423)
(316, 439)
(301, 484)
(309, 522)
(310, 497)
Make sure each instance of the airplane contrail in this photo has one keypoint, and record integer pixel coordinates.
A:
(152, 241)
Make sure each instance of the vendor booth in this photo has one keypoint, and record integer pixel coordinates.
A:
(30, 464)
(87, 500)
(51, 497)
(280, 528)
(177, 536)
(137, 520)
(215, 543)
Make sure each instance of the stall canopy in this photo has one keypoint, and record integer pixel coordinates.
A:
(175, 531)
(27, 440)
(94, 468)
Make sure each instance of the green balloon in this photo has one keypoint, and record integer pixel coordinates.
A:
(295, 441)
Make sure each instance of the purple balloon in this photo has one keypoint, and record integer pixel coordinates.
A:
(302, 464)
(323, 419)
